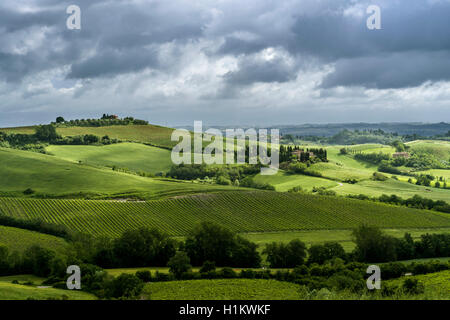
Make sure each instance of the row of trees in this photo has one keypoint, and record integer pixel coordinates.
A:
(414, 202)
(106, 120)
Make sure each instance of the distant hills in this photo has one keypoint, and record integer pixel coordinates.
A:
(328, 130)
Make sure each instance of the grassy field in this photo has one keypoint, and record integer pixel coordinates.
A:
(9, 291)
(232, 289)
(19, 240)
(133, 156)
(440, 149)
(156, 135)
(283, 181)
(257, 211)
(321, 236)
(437, 283)
(48, 174)
(391, 186)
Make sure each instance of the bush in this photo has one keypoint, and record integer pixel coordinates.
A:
(281, 255)
(125, 286)
(28, 191)
(413, 286)
(208, 266)
(145, 276)
(179, 264)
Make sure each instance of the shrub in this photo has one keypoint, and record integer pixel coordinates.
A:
(179, 264)
(145, 276)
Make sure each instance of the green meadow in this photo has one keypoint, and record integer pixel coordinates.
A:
(229, 289)
(283, 181)
(133, 156)
(9, 291)
(19, 240)
(49, 175)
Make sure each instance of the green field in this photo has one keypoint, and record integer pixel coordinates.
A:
(19, 239)
(257, 211)
(9, 291)
(391, 186)
(437, 283)
(283, 181)
(134, 156)
(155, 135)
(321, 236)
(53, 176)
(230, 289)
(440, 149)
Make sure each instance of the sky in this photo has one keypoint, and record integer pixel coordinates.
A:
(264, 62)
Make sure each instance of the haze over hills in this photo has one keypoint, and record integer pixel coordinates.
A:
(330, 129)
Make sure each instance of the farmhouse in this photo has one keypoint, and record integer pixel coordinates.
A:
(401, 155)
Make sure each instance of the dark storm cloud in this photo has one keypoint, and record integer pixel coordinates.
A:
(253, 70)
(121, 37)
(116, 37)
(391, 70)
(113, 63)
(178, 55)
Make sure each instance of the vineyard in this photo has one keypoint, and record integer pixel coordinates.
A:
(238, 211)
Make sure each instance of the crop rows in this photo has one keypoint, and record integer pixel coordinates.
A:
(239, 211)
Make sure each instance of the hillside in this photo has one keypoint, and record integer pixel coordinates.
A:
(19, 240)
(257, 211)
(155, 135)
(50, 175)
(134, 156)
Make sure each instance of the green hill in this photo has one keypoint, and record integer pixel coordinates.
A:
(155, 135)
(49, 175)
(257, 211)
(133, 156)
(440, 149)
(283, 181)
(19, 239)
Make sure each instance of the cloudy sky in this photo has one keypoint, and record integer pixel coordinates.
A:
(263, 62)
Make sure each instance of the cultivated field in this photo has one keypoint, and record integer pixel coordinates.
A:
(230, 289)
(239, 211)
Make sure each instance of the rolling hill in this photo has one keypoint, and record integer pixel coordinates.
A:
(52, 176)
(257, 211)
(19, 240)
(134, 156)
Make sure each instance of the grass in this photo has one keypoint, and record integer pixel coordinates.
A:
(321, 236)
(9, 291)
(438, 282)
(283, 181)
(155, 135)
(258, 211)
(49, 175)
(133, 156)
(440, 149)
(232, 289)
(19, 240)
(23, 278)
(391, 186)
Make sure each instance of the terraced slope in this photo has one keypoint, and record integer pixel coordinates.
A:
(239, 211)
